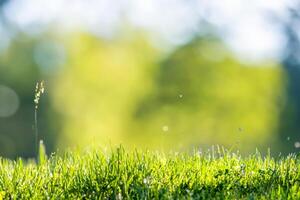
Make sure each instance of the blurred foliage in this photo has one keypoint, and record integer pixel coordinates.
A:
(289, 129)
(19, 71)
(125, 91)
(205, 96)
(99, 87)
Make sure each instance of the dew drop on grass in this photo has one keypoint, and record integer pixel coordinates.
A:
(288, 138)
(297, 144)
(146, 181)
(119, 196)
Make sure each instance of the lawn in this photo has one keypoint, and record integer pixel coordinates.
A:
(134, 174)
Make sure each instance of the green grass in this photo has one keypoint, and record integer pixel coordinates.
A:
(123, 174)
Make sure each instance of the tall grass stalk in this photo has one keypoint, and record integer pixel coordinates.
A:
(39, 90)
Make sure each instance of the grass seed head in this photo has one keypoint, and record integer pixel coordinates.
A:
(39, 90)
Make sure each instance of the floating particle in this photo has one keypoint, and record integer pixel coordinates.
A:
(165, 128)
(146, 181)
(297, 144)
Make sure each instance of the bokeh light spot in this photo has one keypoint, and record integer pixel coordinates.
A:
(9, 101)
(165, 128)
(297, 144)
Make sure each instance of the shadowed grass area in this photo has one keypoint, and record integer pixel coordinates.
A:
(123, 174)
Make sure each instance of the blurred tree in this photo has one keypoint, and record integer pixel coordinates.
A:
(202, 96)
(99, 86)
(126, 91)
(19, 71)
(118, 92)
(290, 117)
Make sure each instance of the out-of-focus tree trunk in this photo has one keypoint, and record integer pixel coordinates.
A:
(290, 118)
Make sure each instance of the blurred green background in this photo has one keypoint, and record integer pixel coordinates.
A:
(165, 75)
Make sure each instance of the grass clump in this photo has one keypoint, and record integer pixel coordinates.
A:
(151, 175)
